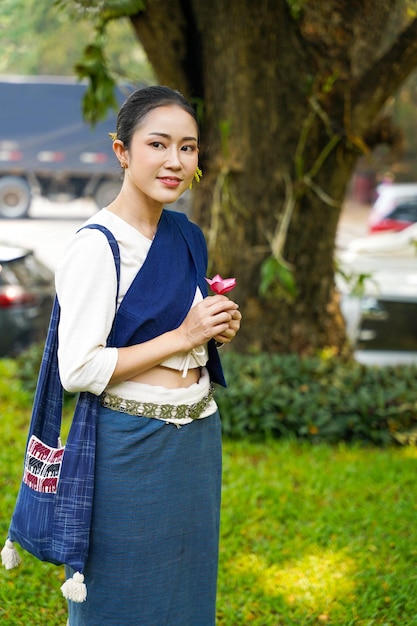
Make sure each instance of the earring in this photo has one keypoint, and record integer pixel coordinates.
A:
(197, 175)
(123, 165)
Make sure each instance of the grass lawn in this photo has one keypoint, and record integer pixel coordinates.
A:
(318, 535)
(310, 534)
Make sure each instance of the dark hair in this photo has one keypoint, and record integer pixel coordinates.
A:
(141, 102)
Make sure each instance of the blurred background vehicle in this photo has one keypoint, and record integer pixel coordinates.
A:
(388, 323)
(381, 319)
(47, 148)
(26, 297)
(382, 329)
(395, 207)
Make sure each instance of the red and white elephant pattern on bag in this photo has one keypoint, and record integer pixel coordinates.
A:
(42, 466)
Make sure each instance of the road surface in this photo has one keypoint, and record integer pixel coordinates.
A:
(51, 226)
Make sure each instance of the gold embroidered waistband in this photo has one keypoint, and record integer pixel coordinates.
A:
(158, 411)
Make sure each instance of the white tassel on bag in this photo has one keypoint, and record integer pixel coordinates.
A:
(10, 556)
(74, 588)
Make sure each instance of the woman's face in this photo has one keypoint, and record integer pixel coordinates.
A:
(163, 154)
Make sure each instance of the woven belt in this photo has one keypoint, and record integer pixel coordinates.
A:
(158, 411)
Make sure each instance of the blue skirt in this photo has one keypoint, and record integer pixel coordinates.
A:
(155, 529)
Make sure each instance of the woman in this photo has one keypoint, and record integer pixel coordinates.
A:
(154, 536)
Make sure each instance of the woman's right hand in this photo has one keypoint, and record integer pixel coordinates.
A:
(205, 320)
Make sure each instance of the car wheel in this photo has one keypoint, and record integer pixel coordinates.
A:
(106, 192)
(15, 197)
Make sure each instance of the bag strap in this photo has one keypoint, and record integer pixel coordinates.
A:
(47, 406)
(114, 248)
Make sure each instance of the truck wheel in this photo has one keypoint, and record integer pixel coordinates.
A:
(15, 197)
(106, 192)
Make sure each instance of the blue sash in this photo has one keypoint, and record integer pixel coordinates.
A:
(163, 290)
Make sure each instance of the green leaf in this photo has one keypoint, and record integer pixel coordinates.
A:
(277, 279)
(99, 96)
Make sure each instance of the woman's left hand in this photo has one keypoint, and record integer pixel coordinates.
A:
(234, 325)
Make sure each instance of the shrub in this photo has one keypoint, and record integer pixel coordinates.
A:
(317, 399)
(288, 396)
(28, 365)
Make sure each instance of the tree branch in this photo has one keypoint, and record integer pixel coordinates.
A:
(387, 74)
(169, 34)
(161, 30)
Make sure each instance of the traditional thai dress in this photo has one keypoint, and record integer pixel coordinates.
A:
(155, 528)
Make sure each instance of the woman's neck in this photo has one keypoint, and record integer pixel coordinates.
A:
(143, 216)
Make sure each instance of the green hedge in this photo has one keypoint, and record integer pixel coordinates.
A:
(28, 364)
(317, 399)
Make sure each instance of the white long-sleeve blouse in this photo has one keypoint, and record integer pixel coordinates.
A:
(86, 285)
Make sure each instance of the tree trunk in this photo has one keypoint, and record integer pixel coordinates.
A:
(278, 146)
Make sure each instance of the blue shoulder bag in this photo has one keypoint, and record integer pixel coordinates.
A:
(52, 514)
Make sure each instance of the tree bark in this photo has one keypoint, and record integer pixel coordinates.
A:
(287, 101)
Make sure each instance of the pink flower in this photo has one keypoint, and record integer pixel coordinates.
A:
(221, 285)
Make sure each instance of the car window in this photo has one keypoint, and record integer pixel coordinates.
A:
(41, 274)
(7, 275)
(405, 212)
(27, 272)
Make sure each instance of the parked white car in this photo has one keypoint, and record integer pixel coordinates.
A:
(382, 322)
(395, 207)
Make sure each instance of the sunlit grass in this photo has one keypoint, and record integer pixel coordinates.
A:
(313, 583)
(310, 535)
(314, 535)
